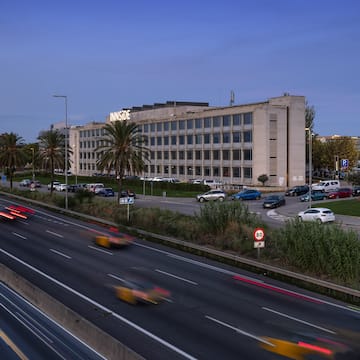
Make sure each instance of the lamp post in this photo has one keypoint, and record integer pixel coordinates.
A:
(310, 163)
(66, 150)
(33, 163)
(75, 163)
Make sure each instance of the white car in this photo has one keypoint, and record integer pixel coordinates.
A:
(54, 184)
(60, 187)
(320, 215)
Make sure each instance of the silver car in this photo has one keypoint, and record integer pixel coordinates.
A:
(212, 195)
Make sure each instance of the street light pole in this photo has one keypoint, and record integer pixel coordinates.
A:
(33, 163)
(310, 163)
(66, 149)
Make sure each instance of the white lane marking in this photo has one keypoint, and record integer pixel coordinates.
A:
(32, 331)
(239, 330)
(35, 328)
(197, 263)
(176, 277)
(103, 308)
(116, 277)
(66, 222)
(46, 316)
(100, 250)
(214, 268)
(54, 233)
(298, 320)
(18, 235)
(60, 253)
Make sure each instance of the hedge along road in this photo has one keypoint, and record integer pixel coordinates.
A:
(189, 206)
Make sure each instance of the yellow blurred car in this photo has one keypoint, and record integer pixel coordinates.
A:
(134, 291)
(113, 241)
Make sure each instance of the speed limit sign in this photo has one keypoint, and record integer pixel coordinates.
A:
(259, 235)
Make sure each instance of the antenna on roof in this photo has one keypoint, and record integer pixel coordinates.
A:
(232, 97)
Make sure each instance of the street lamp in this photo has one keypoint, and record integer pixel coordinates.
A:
(33, 163)
(66, 150)
(310, 163)
(75, 163)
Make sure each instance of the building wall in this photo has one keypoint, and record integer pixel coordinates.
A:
(272, 141)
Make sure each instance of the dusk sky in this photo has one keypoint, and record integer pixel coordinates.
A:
(113, 54)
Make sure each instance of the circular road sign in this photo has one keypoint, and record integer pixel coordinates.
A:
(259, 234)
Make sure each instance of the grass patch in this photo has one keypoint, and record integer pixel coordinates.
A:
(345, 207)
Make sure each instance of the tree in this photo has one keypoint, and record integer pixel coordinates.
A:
(52, 152)
(12, 154)
(309, 116)
(324, 152)
(122, 149)
(263, 179)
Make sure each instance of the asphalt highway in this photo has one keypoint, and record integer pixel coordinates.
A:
(27, 333)
(215, 311)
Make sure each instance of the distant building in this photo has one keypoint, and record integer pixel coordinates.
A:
(188, 140)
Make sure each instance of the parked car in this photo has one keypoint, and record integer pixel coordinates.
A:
(297, 190)
(128, 193)
(316, 195)
(25, 182)
(60, 187)
(273, 201)
(105, 192)
(320, 215)
(340, 193)
(248, 194)
(327, 185)
(212, 195)
(356, 191)
(36, 183)
(54, 184)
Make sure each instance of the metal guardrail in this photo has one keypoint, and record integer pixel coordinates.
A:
(205, 250)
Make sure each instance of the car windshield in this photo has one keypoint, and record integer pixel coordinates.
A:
(272, 197)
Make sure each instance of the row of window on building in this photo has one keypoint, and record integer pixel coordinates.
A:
(202, 123)
(182, 170)
(224, 155)
(235, 137)
(190, 124)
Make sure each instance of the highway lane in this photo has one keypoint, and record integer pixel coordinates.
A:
(209, 314)
(27, 333)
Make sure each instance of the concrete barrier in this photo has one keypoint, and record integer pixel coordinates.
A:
(90, 334)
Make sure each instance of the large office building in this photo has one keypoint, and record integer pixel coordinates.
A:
(190, 140)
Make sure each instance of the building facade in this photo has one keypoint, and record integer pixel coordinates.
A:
(233, 145)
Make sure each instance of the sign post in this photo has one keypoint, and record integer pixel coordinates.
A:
(259, 242)
(127, 201)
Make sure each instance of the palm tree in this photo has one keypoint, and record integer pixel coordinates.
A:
(52, 152)
(12, 153)
(122, 149)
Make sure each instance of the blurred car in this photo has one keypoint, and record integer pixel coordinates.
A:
(273, 201)
(356, 191)
(106, 192)
(297, 190)
(53, 184)
(320, 215)
(118, 240)
(25, 182)
(315, 196)
(211, 195)
(134, 291)
(340, 193)
(248, 194)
